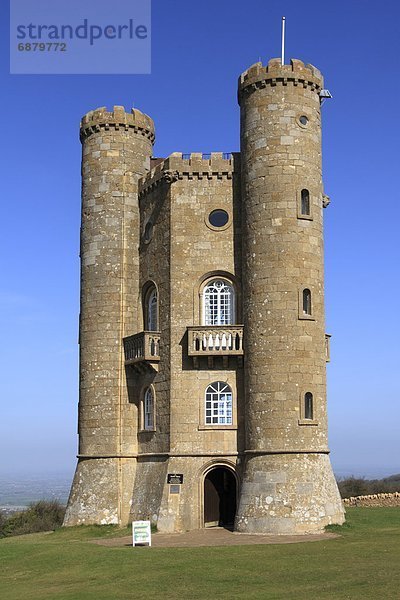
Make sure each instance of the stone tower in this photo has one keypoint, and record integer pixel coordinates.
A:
(202, 334)
(288, 485)
(116, 152)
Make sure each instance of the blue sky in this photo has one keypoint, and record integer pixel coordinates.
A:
(198, 51)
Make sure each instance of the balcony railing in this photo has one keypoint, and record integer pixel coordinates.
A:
(143, 347)
(215, 341)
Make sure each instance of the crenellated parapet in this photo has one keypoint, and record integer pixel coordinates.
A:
(196, 165)
(118, 119)
(274, 73)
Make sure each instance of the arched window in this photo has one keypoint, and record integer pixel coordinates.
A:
(218, 303)
(152, 310)
(218, 404)
(305, 202)
(150, 302)
(308, 406)
(306, 301)
(148, 409)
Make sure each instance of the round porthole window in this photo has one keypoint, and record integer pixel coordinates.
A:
(218, 218)
(302, 121)
(148, 232)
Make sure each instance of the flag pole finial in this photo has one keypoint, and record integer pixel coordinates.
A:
(283, 41)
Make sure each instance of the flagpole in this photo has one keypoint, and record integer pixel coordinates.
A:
(283, 41)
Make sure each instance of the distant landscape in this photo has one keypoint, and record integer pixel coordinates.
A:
(359, 486)
(17, 492)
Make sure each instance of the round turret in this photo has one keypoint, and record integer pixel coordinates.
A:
(286, 426)
(101, 119)
(116, 151)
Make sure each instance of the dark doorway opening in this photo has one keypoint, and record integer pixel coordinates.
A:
(219, 498)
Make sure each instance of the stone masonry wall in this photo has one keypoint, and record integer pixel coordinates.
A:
(283, 255)
(116, 152)
(178, 194)
(153, 446)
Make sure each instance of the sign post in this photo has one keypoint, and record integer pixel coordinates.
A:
(141, 533)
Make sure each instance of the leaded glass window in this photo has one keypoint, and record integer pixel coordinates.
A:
(219, 300)
(218, 404)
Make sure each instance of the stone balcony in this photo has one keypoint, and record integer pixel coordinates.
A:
(142, 350)
(218, 341)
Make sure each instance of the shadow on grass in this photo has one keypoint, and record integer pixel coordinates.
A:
(340, 529)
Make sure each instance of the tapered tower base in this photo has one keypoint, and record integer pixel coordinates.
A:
(288, 494)
(101, 492)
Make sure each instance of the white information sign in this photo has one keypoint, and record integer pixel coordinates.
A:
(141, 532)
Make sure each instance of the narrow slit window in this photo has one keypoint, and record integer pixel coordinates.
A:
(308, 406)
(305, 203)
(152, 310)
(149, 409)
(306, 301)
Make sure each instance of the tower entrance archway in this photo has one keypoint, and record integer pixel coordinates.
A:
(219, 497)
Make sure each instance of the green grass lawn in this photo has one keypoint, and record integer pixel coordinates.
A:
(363, 563)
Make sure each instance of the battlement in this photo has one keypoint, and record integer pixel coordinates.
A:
(200, 162)
(194, 165)
(274, 73)
(118, 118)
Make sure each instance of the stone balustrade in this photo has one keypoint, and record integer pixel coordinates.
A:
(143, 347)
(215, 341)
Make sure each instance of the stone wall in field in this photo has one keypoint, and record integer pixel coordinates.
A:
(374, 500)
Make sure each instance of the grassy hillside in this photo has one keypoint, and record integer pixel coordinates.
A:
(65, 565)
